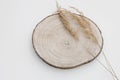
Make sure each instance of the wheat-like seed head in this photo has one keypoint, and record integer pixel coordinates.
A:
(81, 21)
(62, 15)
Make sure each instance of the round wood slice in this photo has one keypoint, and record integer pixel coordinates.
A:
(54, 44)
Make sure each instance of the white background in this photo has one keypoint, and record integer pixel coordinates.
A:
(18, 18)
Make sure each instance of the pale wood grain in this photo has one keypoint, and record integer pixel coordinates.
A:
(53, 43)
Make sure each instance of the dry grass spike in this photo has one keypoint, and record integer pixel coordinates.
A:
(85, 25)
(62, 15)
(81, 21)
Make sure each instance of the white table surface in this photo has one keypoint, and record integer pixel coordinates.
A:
(18, 18)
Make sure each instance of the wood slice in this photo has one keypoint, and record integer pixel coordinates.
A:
(53, 43)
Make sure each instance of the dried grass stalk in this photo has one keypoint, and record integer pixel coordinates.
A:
(81, 21)
(85, 25)
(62, 14)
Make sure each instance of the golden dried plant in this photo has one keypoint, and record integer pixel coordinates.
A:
(81, 21)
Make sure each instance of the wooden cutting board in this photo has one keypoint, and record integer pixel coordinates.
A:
(54, 45)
